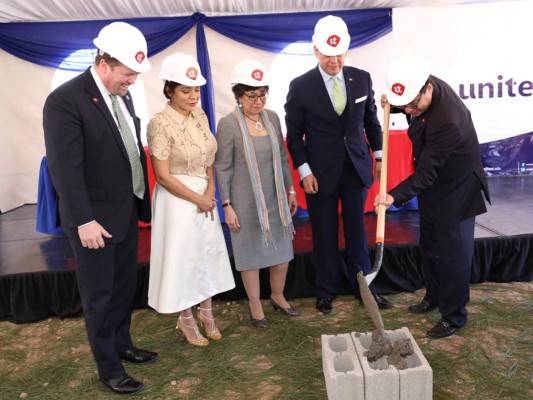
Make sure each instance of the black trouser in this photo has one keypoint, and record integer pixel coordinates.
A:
(324, 216)
(107, 280)
(447, 254)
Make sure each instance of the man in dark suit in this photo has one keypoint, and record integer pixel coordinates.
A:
(448, 180)
(103, 192)
(330, 116)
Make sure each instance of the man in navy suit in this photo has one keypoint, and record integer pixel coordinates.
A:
(100, 201)
(449, 181)
(330, 117)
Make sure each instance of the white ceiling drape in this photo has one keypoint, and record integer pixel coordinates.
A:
(68, 10)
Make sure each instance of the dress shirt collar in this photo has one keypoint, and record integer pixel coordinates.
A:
(103, 90)
(327, 77)
(100, 84)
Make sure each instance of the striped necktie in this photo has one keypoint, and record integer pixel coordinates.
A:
(339, 101)
(131, 148)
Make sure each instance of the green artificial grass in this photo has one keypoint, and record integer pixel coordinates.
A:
(491, 358)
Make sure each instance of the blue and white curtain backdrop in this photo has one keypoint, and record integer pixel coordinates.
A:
(51, 43)
(67, 48)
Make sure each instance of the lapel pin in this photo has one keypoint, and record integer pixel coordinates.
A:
(95, 99)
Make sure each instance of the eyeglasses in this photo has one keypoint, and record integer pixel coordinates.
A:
(414, 104)
(254, 97)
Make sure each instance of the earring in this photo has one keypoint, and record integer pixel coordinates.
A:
(240, 104)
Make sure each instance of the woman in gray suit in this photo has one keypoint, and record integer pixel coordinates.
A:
(256, 189)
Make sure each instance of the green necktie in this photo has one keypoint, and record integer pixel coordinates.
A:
(131, 148)
(339, 101)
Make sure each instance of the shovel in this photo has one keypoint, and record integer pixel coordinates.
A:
(380, 341)
(380, 227)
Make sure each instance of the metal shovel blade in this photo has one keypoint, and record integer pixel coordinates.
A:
(378, 260)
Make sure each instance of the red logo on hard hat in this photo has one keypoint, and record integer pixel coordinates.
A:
(398, 89)
(333, 40)
(140, 56)
(257, 74)
(192, 73)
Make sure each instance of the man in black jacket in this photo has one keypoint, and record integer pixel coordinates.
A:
(98, 168)
(332, 123)
(448, 180)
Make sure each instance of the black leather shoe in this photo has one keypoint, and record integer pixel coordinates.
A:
(441, 330)
(123, 384)
(325, 306)
(422, 308)
(259, 323)
(382, 302)
(138, 356)
(289, 312)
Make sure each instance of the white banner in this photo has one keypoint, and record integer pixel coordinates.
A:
(484, 53)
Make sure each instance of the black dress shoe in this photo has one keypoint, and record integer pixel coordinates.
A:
(123, 384)
(383, 303)
(325, 306)
(422, 308)
(441, 330)
(289, 312)
(138, 356)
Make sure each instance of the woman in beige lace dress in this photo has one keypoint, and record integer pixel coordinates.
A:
(189, 261)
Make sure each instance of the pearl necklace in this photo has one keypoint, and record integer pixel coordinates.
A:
(258, 125)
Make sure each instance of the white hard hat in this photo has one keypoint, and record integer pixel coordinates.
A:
(406, 76)
(251, 73)
(331, 36)
(183, 69)
(125, 43)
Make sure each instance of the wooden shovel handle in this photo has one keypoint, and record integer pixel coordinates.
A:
(380, 227)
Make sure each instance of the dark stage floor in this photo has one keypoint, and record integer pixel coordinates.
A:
(44, 265)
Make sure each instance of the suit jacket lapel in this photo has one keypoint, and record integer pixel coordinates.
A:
(349, 82)
(131, 109)
(321, 91)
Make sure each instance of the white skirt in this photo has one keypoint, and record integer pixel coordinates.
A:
(189, 260)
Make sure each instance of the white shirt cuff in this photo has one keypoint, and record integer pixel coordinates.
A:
(304, 170)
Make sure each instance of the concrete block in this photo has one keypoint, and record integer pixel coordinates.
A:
(342, 370)
(381, 381)
(412, 383)
(416, 381)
